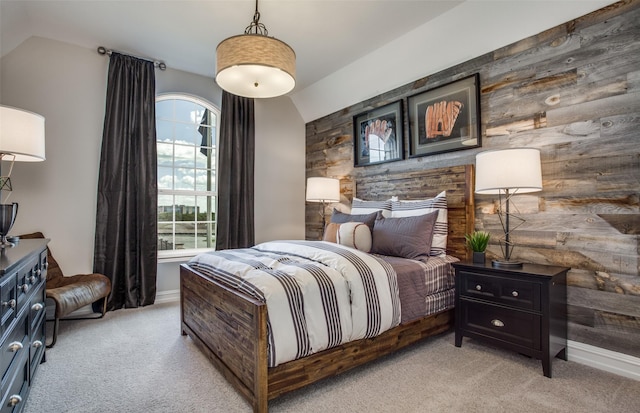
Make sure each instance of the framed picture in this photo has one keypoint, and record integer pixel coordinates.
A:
(378, 136)
(446, 118)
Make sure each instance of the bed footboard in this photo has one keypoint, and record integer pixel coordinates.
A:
(230, 328)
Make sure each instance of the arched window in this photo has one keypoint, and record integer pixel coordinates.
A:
(186, 139)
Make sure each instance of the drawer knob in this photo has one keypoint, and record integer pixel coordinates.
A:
(38, 271)
(514, 293)
(478, 287)
(33, 279)
(25, 287)
(14, 400)
(37, 344)
(15, 346)
(37, 307)
(11, 303)
(497, 323)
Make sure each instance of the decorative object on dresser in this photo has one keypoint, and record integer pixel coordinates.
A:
(320, 189)
(23, 271)
(71, 293)
(255, 65)
(508, 172)
(477, 242)
(22, 140)
(521, 309)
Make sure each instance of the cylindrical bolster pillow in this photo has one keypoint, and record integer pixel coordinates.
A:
(355, 235)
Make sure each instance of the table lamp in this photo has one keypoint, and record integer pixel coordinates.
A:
(21, 140)
(508, 172)
(323, 190)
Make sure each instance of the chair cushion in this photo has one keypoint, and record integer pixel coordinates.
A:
(72, 293)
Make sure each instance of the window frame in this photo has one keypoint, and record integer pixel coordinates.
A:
(181, 255)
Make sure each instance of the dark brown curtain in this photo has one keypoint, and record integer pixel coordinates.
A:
(126, 222)
(235, 228)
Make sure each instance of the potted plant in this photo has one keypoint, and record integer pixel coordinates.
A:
(477, 242)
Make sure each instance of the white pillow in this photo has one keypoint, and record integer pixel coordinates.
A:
(413, 208)
(355, 235)
(359, 207)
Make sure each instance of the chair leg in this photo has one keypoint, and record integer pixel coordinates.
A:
(56, 324)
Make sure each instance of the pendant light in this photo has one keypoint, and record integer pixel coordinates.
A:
(255, 65)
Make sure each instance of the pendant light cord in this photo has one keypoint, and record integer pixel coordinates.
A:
(256, 27)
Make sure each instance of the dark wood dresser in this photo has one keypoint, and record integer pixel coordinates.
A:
(523, 309)
(23, 273)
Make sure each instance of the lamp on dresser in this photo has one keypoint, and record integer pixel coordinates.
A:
(320, 189)
(21, 140)
(506, 173)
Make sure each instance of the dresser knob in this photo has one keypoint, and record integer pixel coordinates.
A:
(478, 287)
(15, 346)
(33, 279)
(514, 293)
(37, 307)
(37, 344)
(38, 271)
(11, 303)
(497, 323)
(24, 287)
(14, 399)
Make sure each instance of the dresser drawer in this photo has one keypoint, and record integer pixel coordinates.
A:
(37, 348)
(28, 276)
(37, 306)
(513, 292)
(15, 393)
(15, 344)
(516, 327)
(8, 303)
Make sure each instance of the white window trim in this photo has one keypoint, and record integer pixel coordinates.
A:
(186, 254)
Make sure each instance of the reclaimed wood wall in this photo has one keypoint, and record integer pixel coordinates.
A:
(573, 92)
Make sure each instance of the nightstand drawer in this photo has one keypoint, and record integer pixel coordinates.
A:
(508, 291)
(515, 327)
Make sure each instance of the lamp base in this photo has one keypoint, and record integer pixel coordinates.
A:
(506, 264)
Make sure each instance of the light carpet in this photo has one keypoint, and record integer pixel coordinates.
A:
(135, 360)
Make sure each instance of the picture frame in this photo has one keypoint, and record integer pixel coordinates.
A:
(378, 135)
(446, 118)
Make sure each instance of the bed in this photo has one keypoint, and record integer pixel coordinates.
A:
(230, 326)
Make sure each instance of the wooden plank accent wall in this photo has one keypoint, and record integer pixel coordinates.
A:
(573, 92)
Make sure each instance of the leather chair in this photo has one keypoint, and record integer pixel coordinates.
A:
(71, 293)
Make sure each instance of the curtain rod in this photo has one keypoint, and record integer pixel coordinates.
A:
(157, 63)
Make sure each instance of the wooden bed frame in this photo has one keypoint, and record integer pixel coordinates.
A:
(230, 328)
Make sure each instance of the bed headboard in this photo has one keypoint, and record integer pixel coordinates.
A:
(459, 183)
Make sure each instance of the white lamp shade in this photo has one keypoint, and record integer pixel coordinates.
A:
(21, 134)
(517, 168)
(255, 66)
(323, 189)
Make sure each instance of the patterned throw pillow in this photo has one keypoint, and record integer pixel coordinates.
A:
(424, 206)
(359, 206)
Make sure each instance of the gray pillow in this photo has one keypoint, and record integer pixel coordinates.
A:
(340, 218)
(408, 237)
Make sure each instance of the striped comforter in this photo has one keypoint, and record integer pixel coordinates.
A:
(318, 294)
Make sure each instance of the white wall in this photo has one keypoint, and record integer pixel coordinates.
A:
(67, 85)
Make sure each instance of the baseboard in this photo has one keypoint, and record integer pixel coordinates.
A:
(603, 359)
(169, 296)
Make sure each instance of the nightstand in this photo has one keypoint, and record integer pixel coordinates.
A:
(522, 309)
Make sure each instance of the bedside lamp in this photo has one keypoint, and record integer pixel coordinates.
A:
(506, 173)
(323, 190)
(21, 140)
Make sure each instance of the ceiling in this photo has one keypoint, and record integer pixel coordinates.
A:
(325, 34)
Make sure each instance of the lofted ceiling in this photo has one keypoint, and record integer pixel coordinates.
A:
(325, 34)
